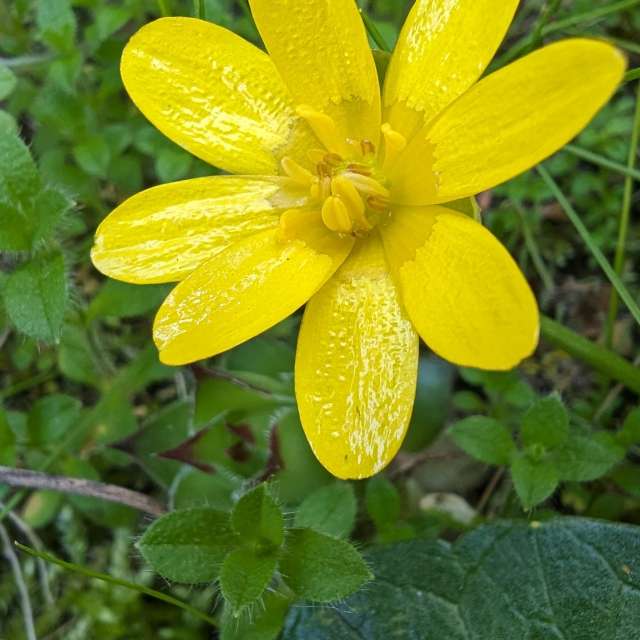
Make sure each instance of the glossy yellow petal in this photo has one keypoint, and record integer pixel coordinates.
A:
(321, 50)
(245, 290)
(214, 94)
(166, 232)
(444, 47)
(356, 367)
(462, 290)
(508, 122)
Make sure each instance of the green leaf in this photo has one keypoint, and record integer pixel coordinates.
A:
(484, 438)
(264, 622)
(188, 546)
(257, 518)
(7, 442)
(7, 81)
(331, 510)
(19, 178)
(51, 417)
(568, 578)
(382, 501)
(56, 23)
(546, 423)
(630, 432)
(585, 458)
(432, 404)
(301, 473)
(76, 358)
(123, 300)
(172, 164)
(534, 480)
(320, 568)
(244, 577)
(35, 297)
(93, 156)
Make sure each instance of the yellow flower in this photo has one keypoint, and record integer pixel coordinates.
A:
(342, 198)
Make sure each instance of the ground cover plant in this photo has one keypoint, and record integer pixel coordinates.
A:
(170, 489)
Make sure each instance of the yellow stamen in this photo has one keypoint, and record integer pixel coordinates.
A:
(325, 129)
(367, 185)
(352, 199)
(296, 172)
(394, 144)
(335, 215)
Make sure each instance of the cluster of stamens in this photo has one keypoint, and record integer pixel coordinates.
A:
(349, 184)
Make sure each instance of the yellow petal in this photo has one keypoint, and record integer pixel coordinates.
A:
(443, 49)
(508, 122)
(245, 290)
(164, 233)
(356, 367)
(462, 290)
(321, 50)
(214, 94)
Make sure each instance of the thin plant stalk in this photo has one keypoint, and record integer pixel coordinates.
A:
(625, 216)
(601, 161)
(119, 582)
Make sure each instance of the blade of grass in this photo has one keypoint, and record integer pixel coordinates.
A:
(589, 16)
(90, 573)
(605, 265)
(163, 6)
(625, 215)
(533, 38)
(374, 32)
(532, 248)
(595, 158)
(603, 360)
(634, 74)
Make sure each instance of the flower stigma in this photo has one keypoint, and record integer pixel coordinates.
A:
(349, 185)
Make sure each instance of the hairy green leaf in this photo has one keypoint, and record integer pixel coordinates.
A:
(245, 575)
(484, 438)
(331, 510)
(188, 546)
(35, 296)
(321, 568)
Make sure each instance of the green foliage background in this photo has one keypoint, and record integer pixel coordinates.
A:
(82, 393)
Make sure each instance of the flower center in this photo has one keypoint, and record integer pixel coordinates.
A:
(349, 184)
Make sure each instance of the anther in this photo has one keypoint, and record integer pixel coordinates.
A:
(352, 199)
(394, 144)
(378, 203)
(367, 147)
(297, 173)
(367, 185)
(324, 127)
(336, 216)
(359, 168)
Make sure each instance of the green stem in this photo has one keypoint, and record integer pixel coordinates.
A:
(163, 5)
(588, 16)
(625, 215)
(605, 265)
(374, 32)
(90, 573)
(26, 61)
(533, 249)
(533, 39)
(198, 9)
(634, 74)
(602, 360)
(589, 156)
